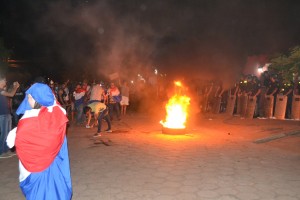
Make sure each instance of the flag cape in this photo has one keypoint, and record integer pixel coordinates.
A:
(54, 183)
(40, 138)
(41, 145)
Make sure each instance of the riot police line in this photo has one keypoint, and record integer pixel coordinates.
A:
(251, 97)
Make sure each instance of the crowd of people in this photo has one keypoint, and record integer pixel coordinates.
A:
(33, 124)
(38, 138)
(250, 97)
(26, 112)
(86, 103)
(266, 97)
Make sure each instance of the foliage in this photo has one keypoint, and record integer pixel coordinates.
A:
(287, 65)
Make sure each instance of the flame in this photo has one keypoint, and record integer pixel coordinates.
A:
(177, 110)
(178, 83)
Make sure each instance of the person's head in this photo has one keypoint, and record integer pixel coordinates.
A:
(87, 110)
(112, 85)
(249, 78)
(2, 81)
(84, 84)
(33, 103)
(60, 91)
(51, 84)
(255, 79)
(272, 79)
(40, 79)
(37, 95)
(78, 86)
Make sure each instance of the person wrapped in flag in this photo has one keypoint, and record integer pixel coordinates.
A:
(41, 145)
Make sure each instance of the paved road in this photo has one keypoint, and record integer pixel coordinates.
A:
(217, 159)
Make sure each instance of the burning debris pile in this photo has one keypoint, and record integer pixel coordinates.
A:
(176, 112)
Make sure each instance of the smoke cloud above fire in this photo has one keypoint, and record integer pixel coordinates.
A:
(105, 38)
(183, 39)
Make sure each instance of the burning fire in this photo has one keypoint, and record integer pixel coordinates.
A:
(177, 110)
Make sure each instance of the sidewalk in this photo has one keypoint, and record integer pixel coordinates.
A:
(216, 159)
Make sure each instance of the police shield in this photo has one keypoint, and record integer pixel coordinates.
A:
(239, 105)
(230, 104)
(205, 103)
(251, 104)
(296, 107)
(280, 107)
(244, 101)
(269, 103)
(216, 105)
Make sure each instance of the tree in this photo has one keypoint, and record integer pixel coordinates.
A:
(287, 65)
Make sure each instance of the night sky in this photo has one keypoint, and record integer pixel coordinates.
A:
(193, 39)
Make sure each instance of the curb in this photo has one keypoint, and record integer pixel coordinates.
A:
(277, 136)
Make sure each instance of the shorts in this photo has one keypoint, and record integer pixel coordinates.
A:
(124, 101)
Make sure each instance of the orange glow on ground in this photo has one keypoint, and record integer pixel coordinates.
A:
(175, 137)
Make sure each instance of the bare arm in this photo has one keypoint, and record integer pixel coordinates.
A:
(236, 90)
(289, 92)
(275, 90)
(209, 90)
(11, 93)
(221, 93)
(89, 116)
(66, 83)
(96, 115)
(217, 91)
(258, 92)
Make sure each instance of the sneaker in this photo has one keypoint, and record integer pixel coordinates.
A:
(97, 135)
(108, 131)
(87, 126)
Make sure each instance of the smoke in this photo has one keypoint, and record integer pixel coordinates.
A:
(94, 40)
(102, 38)
(183, 39)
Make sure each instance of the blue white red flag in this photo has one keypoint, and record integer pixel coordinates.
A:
(41, 145)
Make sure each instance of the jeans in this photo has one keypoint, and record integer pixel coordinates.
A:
(5, 127)
(103, 115)
(114, 107)
(79, 114)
